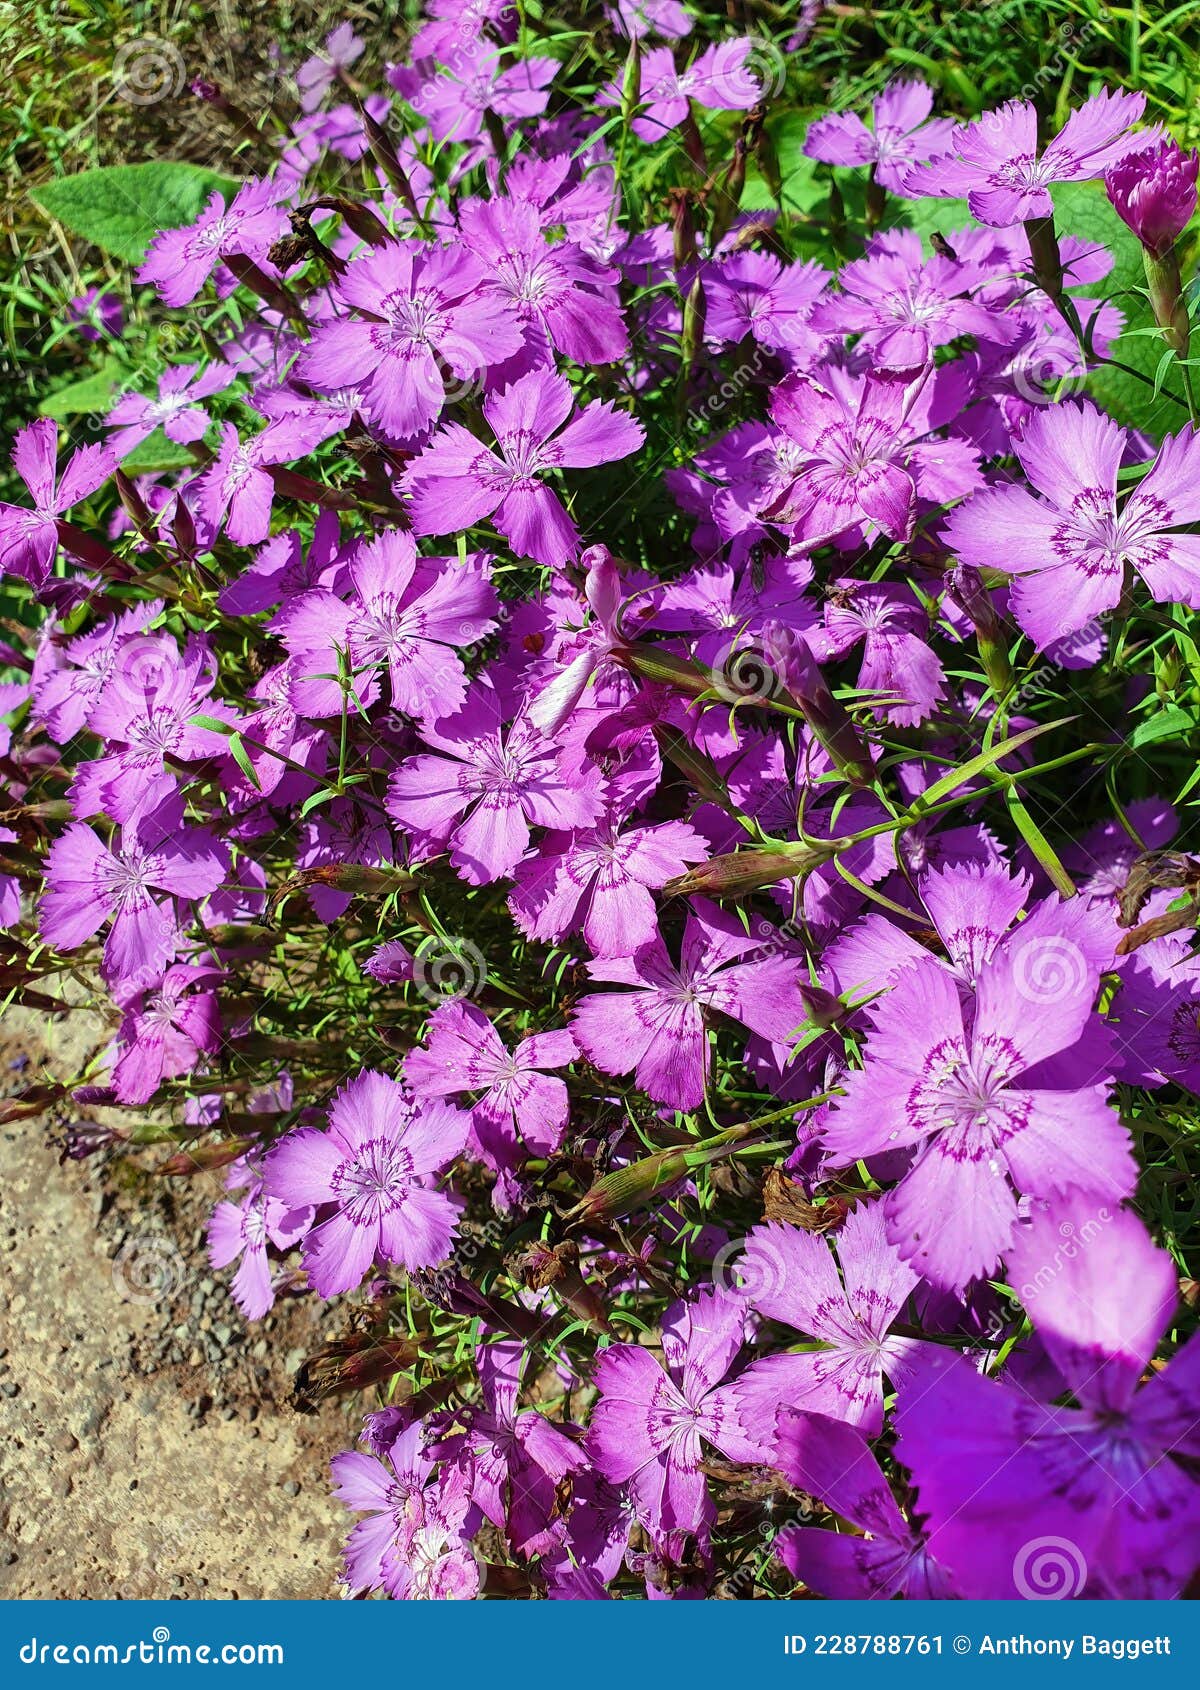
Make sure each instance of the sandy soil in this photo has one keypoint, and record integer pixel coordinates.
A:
(148, 1448)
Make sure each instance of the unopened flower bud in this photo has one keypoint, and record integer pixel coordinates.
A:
(352, 1364)
(1154, 192)
(358, 879)
(633, 1187)
(631, 80)
(135, 506)
(81, 1139)
(966, 588)
(356, 215)
(792, 659)
(695, 312)
(740, 872)
(203, 1158)
(183, 528)
(386, 157)
(628, 1189)
(34, 1100)
(825, 1008)
(683, 227)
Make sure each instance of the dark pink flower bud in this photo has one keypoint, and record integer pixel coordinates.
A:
(792, 660)
(1154, 191)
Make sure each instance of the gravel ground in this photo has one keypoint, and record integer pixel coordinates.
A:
(148, 1448)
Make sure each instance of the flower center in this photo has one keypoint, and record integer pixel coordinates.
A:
(374, 1182)
(1099, 540)
(416, 320)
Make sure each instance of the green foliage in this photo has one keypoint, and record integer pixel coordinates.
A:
(91, 394)
(121, 207)
(155, 455)
(1082, 209)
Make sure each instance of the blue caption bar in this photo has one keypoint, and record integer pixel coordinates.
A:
(515, 1644)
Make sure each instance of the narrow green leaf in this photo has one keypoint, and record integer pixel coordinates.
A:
(1041, 847)
(981, 764)
(316, 799)
(242, 758)
(1164, 724)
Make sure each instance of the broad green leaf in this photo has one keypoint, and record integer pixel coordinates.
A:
(1082, 209)
(121, 207)
(156, 454)
(802, 188)
(929, 216)
(92, 393)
